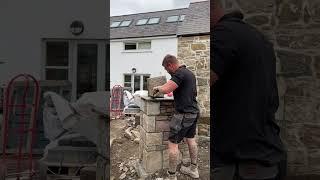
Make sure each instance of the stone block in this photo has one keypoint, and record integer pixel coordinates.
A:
(152, 161)
(149, 123)
(152, 108)
(290, 12)
(165, 136)
(299, 109)
(310, 136)
(258, 20)
(294, 64)
(153, 82)
(296, 157)
(153, 139)
(253, 6)
(154, 147)
(162, 118)
(162, 126)
(314, 158)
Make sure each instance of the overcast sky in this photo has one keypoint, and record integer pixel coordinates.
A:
(121, 7)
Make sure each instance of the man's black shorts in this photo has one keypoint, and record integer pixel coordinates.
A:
(182, 126)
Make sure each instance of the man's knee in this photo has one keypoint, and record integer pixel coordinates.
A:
(173, 148)
(191, 141)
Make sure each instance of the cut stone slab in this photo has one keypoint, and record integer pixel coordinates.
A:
(153, 82)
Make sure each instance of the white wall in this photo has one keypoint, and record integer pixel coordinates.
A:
(25, 23)
(149, 62)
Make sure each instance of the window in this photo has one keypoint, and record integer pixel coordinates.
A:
(182, 17)
(130, 46)
(125, 23)
(115, 24)
(136, 82)
(143, 45)
(142, 22)
(172, 19)
(155, 20)
(57, 61)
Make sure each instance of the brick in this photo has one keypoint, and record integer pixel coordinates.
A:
(162, 126)
(149, 123)
(152, 161)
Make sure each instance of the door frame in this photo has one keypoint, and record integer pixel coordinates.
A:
(73, 61)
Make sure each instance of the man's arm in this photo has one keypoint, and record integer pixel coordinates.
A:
(166, 88)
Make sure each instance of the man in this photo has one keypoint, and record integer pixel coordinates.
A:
(184, 121)
(246, 142)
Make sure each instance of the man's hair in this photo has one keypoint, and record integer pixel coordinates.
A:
(169, 59)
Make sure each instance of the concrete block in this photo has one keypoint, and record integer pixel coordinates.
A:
(149, 123)
(152, 161)
(153, 82)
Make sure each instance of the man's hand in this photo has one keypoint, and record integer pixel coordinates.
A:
(156, 90)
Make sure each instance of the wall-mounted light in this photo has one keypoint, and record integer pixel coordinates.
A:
(76, 28)
(134, 70)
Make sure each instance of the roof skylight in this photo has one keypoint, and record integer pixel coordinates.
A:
(142, 22)
(115, 24)
(182, 17)
(125, 23)
(154, 20)
(172, 18)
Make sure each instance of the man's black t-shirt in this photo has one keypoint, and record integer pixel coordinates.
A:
(185, 95)
(245, 98)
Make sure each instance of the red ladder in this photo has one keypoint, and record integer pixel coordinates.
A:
(22, 131)
(116, 97)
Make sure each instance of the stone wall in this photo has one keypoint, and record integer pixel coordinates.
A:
(154, 130)
(294, 28)
(194, 52)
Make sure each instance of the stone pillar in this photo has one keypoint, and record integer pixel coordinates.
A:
(154, 129)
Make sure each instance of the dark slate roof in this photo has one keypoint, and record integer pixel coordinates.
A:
(148, 30)
(193, 23)
(197, 20)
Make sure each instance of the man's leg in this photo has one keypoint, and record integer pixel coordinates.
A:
(193, 150)
(173, 157)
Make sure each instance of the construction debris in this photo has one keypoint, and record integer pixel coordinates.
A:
(78, 137)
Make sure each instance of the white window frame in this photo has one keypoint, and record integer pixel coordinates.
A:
(137, 46)
(142, 75)
(73, 62)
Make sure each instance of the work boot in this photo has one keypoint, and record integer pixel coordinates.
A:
(171, 176)
(191, 170)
